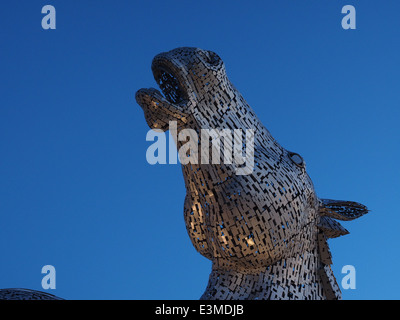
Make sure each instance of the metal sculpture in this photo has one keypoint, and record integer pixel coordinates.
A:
(266, 230)
(26, 294)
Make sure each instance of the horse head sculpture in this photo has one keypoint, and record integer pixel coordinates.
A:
(262, 226)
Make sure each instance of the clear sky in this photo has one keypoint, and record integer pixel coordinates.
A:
(76, 191)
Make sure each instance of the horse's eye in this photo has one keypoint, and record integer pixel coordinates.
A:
(297, 159)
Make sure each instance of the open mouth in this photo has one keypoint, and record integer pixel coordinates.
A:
(169, 84)
(169, 81)
(171, 104)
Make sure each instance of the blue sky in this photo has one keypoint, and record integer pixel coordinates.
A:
(76, 191)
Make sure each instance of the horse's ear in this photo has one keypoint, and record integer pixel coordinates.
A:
(331, 228)
(341, 210)
(328, 227)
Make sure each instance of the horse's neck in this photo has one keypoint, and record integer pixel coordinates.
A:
(301, 277)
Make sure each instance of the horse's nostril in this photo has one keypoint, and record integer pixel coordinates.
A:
(213, 58)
